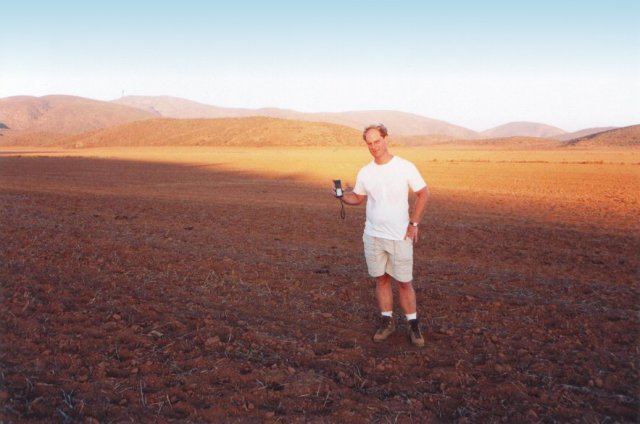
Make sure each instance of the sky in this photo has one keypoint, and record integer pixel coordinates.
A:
(477, 64)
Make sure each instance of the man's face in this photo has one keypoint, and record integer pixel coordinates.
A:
(376, 144)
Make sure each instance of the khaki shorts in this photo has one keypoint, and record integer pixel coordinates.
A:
(394, 257)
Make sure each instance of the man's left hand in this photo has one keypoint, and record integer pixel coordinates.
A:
(412, 233)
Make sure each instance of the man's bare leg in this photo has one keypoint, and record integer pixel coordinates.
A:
(407, 297)
(384, 294)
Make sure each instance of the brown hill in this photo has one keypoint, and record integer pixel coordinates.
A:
(252, 131)
(175, 107)
(399, 123)
(523, 129)
(63, 114)
(619, 137)
(583, 133)
(502, 143)
(423, 140)
(29, 138)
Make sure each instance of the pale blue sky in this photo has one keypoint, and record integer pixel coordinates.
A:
(571, 64)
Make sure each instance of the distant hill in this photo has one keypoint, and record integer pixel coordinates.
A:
(523, 129)
(252, 131)
(28, 138)
(619, 137)
(63, 114)
(26, 120)
(501, 143)
(583, 133)
(398, 123)
(423, 140)
(174, 107)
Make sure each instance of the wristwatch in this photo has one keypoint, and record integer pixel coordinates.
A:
(414, 224)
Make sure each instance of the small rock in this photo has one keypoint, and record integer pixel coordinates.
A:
(415, 404)
(182, 408)
(56, 307)
(291, 370)
(125, 354)
(110, 326)
(599, 383)
(91, 420)
(212, 341)
(39, 364)
(156, 334)
(270, 414)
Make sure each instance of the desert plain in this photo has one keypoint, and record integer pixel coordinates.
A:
(219, 284)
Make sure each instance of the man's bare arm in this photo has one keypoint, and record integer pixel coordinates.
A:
(420, 204)
(353, 199)
(418, 210)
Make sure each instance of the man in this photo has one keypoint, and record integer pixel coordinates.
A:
(389, 231)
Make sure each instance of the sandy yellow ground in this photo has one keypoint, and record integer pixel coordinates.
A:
(601, 185)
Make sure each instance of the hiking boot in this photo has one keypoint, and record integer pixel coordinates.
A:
(386, 328)
(414, 333)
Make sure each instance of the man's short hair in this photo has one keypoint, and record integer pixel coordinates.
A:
(380, 127)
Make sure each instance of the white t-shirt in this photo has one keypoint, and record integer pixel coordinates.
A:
(387, 190)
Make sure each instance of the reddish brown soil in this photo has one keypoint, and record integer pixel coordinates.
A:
(140, 292)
